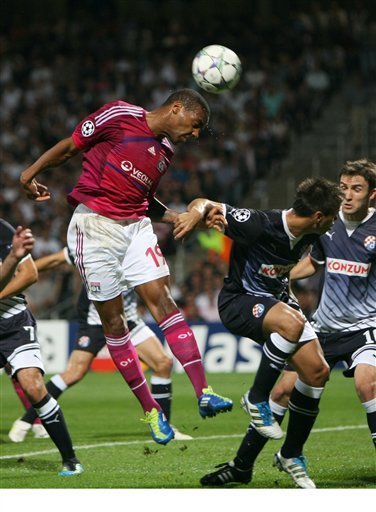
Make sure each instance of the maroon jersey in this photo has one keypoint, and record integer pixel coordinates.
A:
(123, 161)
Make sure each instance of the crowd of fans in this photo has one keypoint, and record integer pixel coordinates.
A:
(54, 73)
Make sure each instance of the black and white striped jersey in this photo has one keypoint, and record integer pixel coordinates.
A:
(348, 299)
(13, 305)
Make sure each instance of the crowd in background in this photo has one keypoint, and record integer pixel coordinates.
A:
(54, 73)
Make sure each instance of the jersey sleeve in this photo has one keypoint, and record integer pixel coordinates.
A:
(244, 225)
(89, 131)
(317, 252)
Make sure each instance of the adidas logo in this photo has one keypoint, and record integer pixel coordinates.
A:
(151, 150)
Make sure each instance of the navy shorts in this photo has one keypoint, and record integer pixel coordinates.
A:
(19, 345)
(90, 338)
(244, 314)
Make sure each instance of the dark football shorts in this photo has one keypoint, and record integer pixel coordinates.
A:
(244, 314)
(90, 338)
(350, 347)
(18, 342)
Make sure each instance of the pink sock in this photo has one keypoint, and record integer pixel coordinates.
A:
(127, 362)
(183, 345)
(21, 395)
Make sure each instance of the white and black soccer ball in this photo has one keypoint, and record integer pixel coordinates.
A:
(216, 68)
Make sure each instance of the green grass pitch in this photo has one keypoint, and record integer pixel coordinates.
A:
(117, 452)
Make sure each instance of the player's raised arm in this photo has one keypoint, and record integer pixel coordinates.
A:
(22, 245)
(53, 157)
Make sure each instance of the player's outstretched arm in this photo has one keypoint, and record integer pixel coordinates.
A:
(22, 245)
(306, 267)
(200, 212)
(53, 157)
(53, 260)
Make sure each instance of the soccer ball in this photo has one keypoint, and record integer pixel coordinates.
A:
(216, 68)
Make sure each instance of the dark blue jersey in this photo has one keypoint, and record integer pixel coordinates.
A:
(348, 300)
(263, 252)
(12, 305)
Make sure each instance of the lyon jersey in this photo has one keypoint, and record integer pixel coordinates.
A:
(263, 252)
(12, 305)
(123, 161)
(348, 300)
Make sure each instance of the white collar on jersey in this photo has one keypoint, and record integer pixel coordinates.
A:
(351, 225)
(293, 239)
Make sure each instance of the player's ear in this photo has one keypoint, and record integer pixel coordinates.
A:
(373, 194)
(176, 107)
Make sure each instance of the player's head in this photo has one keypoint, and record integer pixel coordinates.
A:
(185, 113)
(319, 200)
(357, 181)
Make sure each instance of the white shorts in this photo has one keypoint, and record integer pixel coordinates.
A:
(27, 356)
(364, 355)
(140, 334)
(113, 255)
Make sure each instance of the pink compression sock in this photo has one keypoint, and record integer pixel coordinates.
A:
(127, 362)
(183, 344)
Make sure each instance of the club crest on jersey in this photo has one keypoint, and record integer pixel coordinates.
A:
(370, 243)
(241, 214)
(95, 287)
(87, 128)
(258, 310)
(161, 166)
(84, 341)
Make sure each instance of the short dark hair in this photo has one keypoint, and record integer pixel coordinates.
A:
(317, 194)
(362, 167)
(190, 98)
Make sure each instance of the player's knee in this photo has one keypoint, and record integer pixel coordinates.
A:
(113, 325)
(35, 389)
(292, 326)
(163, 367)
(366, 389)
(319, 375)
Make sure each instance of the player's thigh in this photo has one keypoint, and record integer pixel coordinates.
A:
(310, 364)
(99, 246)
(285, 320)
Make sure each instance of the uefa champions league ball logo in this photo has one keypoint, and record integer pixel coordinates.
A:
(87, 128)
(241, 215)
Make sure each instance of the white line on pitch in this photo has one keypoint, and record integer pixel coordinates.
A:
(203, 438)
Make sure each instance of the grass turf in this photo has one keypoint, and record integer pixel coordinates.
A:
(117, 451)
